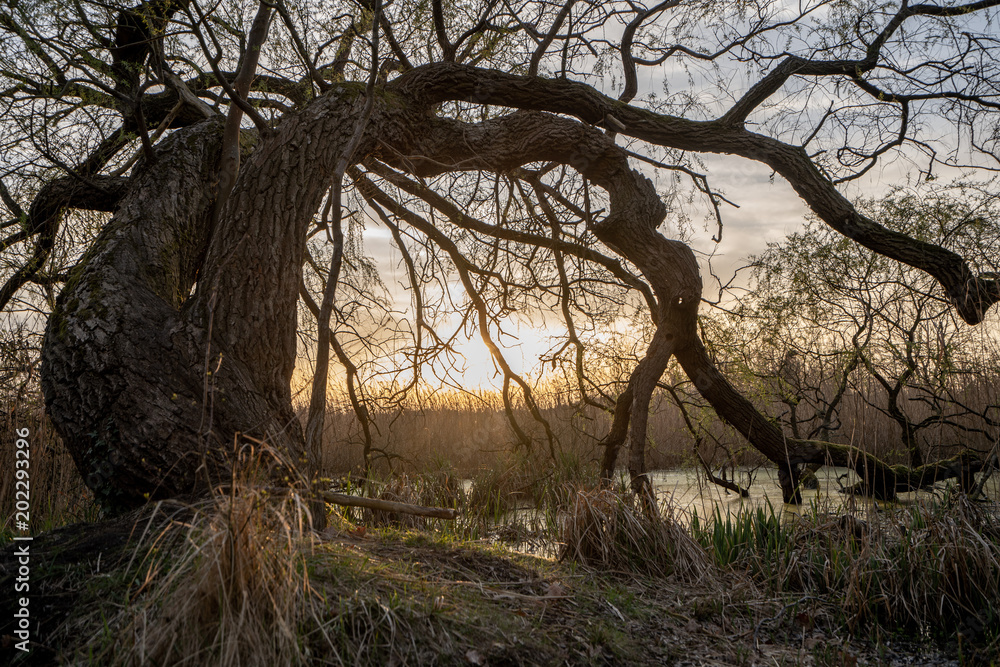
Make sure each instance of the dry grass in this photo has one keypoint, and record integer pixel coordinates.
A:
(610, 530)
(241, 581)
(471, 435)
(924, 568)
(232, 589)
(929, 569)
(58, 493)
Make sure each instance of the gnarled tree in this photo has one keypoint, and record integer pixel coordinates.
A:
(469, 130)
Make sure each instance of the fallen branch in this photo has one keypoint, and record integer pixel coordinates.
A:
(387, 505)
(881, 480)
(721, 481)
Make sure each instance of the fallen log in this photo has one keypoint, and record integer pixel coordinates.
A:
(387, 505)
(722, 481)
(881, 480)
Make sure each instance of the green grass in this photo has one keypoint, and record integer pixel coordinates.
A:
(925, 570)
(631, 588)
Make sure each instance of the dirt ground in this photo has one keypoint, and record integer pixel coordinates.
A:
(394, 597)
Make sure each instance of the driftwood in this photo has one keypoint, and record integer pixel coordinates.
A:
(388, 505)
(722, 481)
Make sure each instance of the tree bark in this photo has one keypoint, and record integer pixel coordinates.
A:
(123, 372)
(155, 389)
(615, 438)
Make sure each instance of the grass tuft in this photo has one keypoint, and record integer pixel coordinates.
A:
(609, 530)
(930, 569)
(235, 592)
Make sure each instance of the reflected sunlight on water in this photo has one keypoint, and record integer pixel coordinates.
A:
(686, 492)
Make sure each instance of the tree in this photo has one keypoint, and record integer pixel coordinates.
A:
(830, 317)
(468, 129)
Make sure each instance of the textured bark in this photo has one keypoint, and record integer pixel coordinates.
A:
(132, 378)
(123, 373)
(971, 295)
(100, 193)
(152, 388)
(253, 267)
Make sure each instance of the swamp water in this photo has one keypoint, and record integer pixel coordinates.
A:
(687, 492)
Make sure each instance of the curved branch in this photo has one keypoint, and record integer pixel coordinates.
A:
(461, 219)
(795, 65)
(377, 198)
(628, 37)
(543, 45)
(971, 295)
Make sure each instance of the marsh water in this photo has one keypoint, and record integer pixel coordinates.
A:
(688, 491)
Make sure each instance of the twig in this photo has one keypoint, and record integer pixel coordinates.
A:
(724, 483)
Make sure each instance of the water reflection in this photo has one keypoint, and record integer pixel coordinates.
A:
(687, 491)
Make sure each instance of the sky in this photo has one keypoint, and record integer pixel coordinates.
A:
(769, 210)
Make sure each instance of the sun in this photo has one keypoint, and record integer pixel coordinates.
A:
(523, 349)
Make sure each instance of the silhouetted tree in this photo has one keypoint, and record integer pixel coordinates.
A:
(221, 142)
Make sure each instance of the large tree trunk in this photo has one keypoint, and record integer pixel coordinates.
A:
(147, 397)
(153, 388)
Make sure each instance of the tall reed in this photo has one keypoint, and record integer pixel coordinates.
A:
(931, 568)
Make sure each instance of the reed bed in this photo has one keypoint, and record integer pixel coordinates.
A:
(469, 436)
(931, 569)
(470, 432)
(58, 493)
